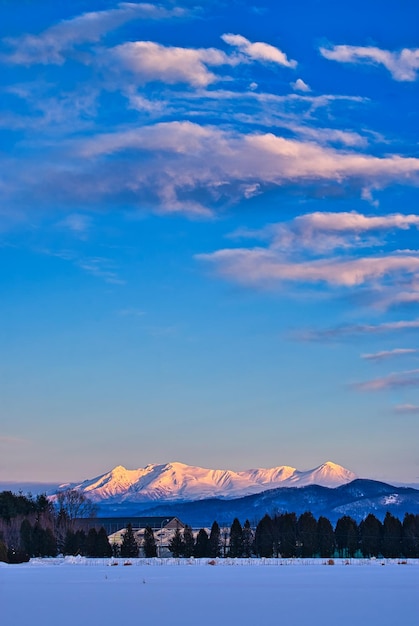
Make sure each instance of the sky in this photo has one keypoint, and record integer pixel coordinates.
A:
(209, 236)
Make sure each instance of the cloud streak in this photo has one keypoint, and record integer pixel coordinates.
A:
(389, 354)
(52, 45)
(348, 331)
(395, 380)
(403, 65)
(406, 409)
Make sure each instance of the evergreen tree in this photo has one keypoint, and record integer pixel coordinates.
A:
(392, 536)
(129, 546)
(188, 542)
(247, 539)
(80, 541)
(346, 536)
(26, 537)
(264, 538)
(236, 539)
(307, 534)
(176, 544)
(149, 545)
(214, 548)
(325, 537)
(38, 540)
(3, 552)
(103, 547)
(91, 543)
(285, 535)
(71, 546)
(202, 544)
(410, 539)
(370, 531)
(50, 543)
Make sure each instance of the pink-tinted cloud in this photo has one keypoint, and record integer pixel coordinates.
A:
(347, 331)
(389, 354)
(259, 51)
(52, 45)
(402, 65)
(395, 380)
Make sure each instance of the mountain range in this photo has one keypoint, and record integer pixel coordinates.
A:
(177, 482)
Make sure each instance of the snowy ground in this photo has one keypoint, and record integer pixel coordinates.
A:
(92, 592)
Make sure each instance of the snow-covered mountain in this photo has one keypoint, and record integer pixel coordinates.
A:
(178, 482)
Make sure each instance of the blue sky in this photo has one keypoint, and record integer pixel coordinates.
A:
(209, 236)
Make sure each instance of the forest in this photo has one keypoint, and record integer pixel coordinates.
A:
(38, 527)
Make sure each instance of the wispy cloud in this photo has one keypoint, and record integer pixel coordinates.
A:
(337, 333)
(402, 65)
(52, 45)
(395, 380)
(389, 354)
(324, 232)
(407, 409)
(265, 267)
(8, 440)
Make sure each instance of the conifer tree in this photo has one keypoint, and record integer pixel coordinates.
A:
(188, 542)
(202, 544)
(149, 544)
(285, 535)
(3, 552)
(325, 537)
(392, 536)
(370, 531)
(26, 537)
(410, 539)
(236, 539)
(50, 543)
(264, 537)
(307, 534)
(71, 546)
(247, 537)
(214, 548)
(91, 543)
(176, 544)
(346, 536)
(129, 546)
(103, 547)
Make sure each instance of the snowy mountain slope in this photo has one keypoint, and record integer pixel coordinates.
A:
(180, 482)
(356, 499)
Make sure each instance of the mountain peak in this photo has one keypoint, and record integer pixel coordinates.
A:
(177, 481)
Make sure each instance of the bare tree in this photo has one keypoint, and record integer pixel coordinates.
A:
(74, 504)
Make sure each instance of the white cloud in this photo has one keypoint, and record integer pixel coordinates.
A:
(300, 85)
(150, 61)
(403, 65)
(258, 51)
(51, 46)
(388, 354)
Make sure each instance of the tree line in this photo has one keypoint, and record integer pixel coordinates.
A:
(31, 527)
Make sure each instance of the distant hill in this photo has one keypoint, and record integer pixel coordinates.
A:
(357, 499)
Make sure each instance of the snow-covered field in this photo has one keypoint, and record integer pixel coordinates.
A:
(179, 592)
